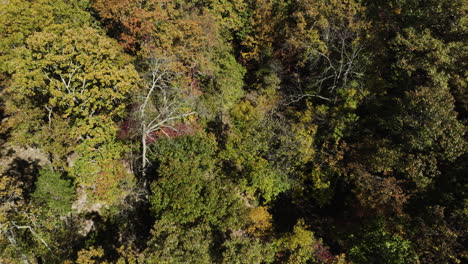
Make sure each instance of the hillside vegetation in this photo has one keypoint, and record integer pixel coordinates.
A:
(233, 131)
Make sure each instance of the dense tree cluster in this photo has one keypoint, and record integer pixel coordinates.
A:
(233, 131)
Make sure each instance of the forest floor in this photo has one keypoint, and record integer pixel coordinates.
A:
(10, 154)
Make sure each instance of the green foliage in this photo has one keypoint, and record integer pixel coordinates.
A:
(299, 245)
(53, 191)
(77, 74)
(314, 119)
(429, 122)
(232, 15)
(89, 256)
(19, 19)
(189, 188)
(75, 82)
(226, 86)
(58, 75)
(175, 243)
(424, 126)
(376, 245)
(239, 250)
(247, 151)
(443, 232)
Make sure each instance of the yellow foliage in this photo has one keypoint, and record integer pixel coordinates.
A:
(263, 29)
(90, 256)
(261, 221)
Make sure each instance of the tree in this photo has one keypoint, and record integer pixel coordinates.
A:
(418, 128)
(301, 246)
(160, 106)
(188, 186)
(19, 19)
(56, 193)
(176, 243)
(261, 221)
(241, 249)
(12, 202)
(161, 27)
(249, 153)
(325, 57)
(438, 234)
(89, 256)
(327, 40)
(224, 88)
(76, 82)
(258, 34)
(41, 229)
(376, 245)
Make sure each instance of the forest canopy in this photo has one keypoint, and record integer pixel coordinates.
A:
(233, 131)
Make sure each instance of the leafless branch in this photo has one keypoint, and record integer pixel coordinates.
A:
(160, 105)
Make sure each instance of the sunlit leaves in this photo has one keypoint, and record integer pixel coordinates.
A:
(56, 193)
(74, 83)
(189, 187)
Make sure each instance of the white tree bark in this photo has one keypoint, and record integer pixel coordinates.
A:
(333, 69)
(160, 105)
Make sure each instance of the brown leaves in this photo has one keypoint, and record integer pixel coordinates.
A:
(382, 195)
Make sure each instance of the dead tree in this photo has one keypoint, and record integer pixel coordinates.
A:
(160, 105)
(335, 67)
(8, 232)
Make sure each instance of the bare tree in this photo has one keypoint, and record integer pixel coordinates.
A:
(8, 232)
(160, 104)
(334, 68)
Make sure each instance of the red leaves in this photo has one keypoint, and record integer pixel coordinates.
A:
(323, 253)
(127, 129)
(177, 130)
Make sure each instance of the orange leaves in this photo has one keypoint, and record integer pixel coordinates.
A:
(164, 28)
(135, 21)
(108, 180)
(382, 195)
(263, 30)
